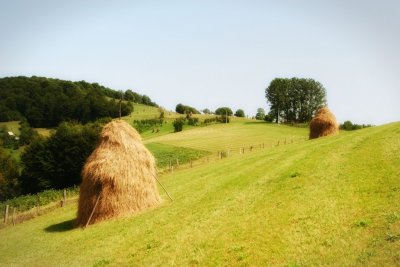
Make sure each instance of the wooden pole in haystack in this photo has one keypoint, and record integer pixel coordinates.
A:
(94, 208)
(163, 187)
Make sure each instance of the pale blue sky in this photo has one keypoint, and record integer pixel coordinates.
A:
(213, 53)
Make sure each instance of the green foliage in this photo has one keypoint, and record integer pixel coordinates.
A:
(349, 126)
(192, 121)
(260, 114)
(56, 162)
(9, 174)
(223, 119)
(210, 120)
(165, 154)
(239, 113)
(206, 111)
(138, 99)
(295, 100)
(183, 109)
(27, 134)
(269, 117)
(47, 102)
(231, 212)
(178, 124)
(226, 111)
(144, 125)
(26, 202)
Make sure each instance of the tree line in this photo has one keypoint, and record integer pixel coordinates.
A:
(46, 102)
(294, 100)
(53, 162)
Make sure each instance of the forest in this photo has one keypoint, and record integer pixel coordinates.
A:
(46, 102)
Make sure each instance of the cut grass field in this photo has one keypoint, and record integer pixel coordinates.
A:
(328, 202)
(232, 136)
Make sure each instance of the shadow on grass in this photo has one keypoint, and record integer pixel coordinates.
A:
(61, 227)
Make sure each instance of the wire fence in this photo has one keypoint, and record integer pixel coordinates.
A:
(174, 163)
(12, 216)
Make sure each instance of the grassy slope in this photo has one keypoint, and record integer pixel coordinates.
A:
(12, 126)
(232, 136)
(332, 201)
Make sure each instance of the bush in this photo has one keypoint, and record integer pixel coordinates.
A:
(224, 111)
(223, 119)
(56, 162)
(193, 121)
(183, 109)
(9, 173)
(239, 113)
(178, 124)
(349, 126)
(144, 125)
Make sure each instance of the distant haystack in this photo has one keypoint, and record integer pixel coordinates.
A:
(324, 123)
(121, 171)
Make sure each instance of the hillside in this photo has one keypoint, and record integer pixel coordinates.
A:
(331, 201)
(45, 102)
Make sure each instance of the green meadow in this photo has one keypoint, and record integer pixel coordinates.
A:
(332, 201)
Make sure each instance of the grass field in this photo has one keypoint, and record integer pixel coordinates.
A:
(327, 202)
(12, 126)
(232, 136)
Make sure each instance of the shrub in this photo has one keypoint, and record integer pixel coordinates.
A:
(239, 113)
(56, 162)
(178, 124)
(193, 121)
(144, 125)
(223, 119)
(224, 111)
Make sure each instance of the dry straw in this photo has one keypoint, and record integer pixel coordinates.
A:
(324, 123)
(120, 170)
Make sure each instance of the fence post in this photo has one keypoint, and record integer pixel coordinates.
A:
(13, 215)
(177, 163)
(65, 197)
(263, 146)
(6, 214)
(38, 205)
(191, 164)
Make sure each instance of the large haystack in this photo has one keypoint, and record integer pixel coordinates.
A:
(121, 171)
(324, 123)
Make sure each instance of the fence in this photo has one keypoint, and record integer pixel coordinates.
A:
(12, 216)
(175, 164)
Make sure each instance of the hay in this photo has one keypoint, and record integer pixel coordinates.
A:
(122, 171)
(324, 123)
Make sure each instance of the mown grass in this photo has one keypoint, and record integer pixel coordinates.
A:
(326, 202)
(233, 136)
(166, 155)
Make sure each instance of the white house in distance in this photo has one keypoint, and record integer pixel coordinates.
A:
(11, 135)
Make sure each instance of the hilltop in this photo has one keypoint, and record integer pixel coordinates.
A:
(329, 201)
(45, 102)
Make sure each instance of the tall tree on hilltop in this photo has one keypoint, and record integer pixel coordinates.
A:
(295, 100)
